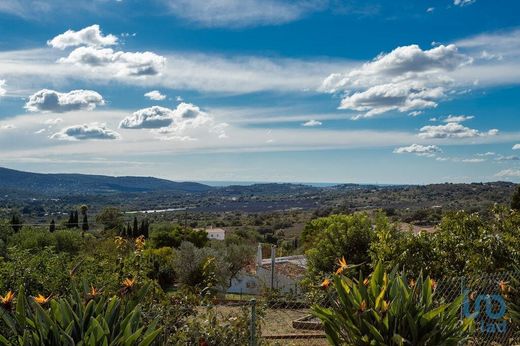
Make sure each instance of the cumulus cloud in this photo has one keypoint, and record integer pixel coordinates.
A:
(122, 64)
(457, 118)
(93, 131)
(418, 149)
(516, 147)
(404, 97)
(149, 118)
(407, 79)
(90, 36)
(2, 88)
(242, 13)
(312, 122)
(155, 95)
(47, 100)
(453, 130)
(173, 123)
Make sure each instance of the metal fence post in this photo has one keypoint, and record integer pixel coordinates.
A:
(252, 341)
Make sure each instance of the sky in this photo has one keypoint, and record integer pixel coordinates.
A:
(335, 91)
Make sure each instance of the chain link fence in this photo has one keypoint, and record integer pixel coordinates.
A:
(286, 319)
(282, 315)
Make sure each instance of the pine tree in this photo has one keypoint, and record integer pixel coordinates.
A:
(136, 232)
(515, 201)
(70, 222)
(52, 226)
(16, 223)
(84, 225)
(146, 228)
(75, 222)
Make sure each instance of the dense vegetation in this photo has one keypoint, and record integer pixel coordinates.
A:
(88, 256)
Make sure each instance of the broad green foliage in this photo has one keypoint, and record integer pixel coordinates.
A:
(77, 320)
(160, 266)
(197, 267)
(210, 329)
(515, 200)
(69, 241)
(42, 272)
(386, 309)
(166, 235)
(335, 237)
(111, 218)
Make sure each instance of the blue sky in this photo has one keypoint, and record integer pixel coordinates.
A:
(272, 90)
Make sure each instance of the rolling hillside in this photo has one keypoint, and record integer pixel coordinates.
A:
(59, 184)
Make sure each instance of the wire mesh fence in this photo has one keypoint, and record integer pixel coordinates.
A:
(288, 320)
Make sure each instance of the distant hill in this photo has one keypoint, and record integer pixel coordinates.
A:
(63, 184)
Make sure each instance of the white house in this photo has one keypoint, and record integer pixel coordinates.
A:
(216, 233)
(288, 272)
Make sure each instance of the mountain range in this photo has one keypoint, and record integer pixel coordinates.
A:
(60, 184)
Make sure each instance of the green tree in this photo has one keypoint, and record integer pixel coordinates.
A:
(515, 201)
(84, 225)
(337, 236)
(16, 223)
(111, 218)
(52, 226)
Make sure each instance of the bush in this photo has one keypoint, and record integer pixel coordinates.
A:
(33, 239)
(337, 236)
(43, 272)
(166, 235)
(387, 310)
(87, 320)
(160, 266)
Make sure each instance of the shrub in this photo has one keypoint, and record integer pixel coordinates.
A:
(88, 320)
(387, 310)
(334, 237)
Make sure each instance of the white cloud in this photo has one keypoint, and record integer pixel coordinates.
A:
(93, 131)
(122, 64)
(463, 2)
(89, 36)
(407, 79)
(507, 158)
(452, 130)
(508, 173)
(155, 95)
(149, 118)
(418, 149)
(457, 118)
(404, 97)
(242, 13)
(312, 122)
(171, 124)
(473, 160)
(53, 101)
(53, 121)
(516, 147)
(489, 153)
(430, 9)
(7, 126)
(182, 71)
(2, 88)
